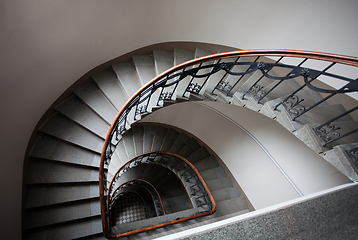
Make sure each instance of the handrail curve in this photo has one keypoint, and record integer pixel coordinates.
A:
(181, 71)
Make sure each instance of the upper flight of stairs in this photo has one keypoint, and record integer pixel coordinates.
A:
(62, 197)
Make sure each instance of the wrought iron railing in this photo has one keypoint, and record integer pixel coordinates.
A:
(246, 72)
(185, 171)
(143, 185)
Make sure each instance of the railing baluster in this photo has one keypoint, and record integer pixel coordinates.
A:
(140, 103)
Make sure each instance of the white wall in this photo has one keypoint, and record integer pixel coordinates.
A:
(269, 163)
(47, 45)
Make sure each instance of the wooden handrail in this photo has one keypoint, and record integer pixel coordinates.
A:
(171, 222)
(346, 60)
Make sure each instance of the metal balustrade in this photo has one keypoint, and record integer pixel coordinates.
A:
(226, 74)
(190, 177)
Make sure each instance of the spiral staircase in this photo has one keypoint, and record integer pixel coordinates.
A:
(62, 183)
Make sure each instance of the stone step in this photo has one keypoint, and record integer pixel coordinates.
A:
(181, 56)
(145, 67)
(149, 133)
(163, 60)
(46, 171)
(213, 173)
(128, 77)
(231, 207)
(68, 230)
(176, 203)
(159, 137)
(206, 164)
(44, 195)
(138, 135)
(58, 213)
(65, 129)
(200, 154)
(109, 84)
(249, 83)
(128, 142)
(96, 100)
(48, 147)
(115, 164)
(231, 83)
(319, 114)
(225, 194)
(191, 147)
(219, 183)
(316, 142)
(169, 140)
(179, 143)
(341, 158)
(80, 113)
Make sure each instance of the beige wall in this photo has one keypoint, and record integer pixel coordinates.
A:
(47, 45)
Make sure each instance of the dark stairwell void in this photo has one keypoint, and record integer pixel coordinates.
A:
(177, 190)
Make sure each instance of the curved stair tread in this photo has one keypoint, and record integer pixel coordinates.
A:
(96, 100)
(163, 60)
(79, 112)
(68, 230)
(48, 147)
(43, 195)
(128, 77)
(109, 84)
(65, 129)
(45, 171)
(64, 212)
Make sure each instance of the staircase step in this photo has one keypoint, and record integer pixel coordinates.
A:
(128, 141)
(96, 100)
(163, 60)
(307, 135)
(68, 230)
(220, 183)
(169, 139)
(228, 207)
(225, 194)
(63, 128)
(109, 84)
(213, 173)
(159, 137)
(206, 164)
(115, 163)
(128, 77)
(149, 133)
(179, 143)
(50, 215)
(45, 171)
(200, 154)
(191, 147)
(343, 161)
(48, 147)
(319, 114)
(138, 135)
(181, 56)
(145, 67)
(176, 204)
(79, 112)
(43, 195)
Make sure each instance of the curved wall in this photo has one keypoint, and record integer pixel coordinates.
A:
(47, 45)
(269, 163)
